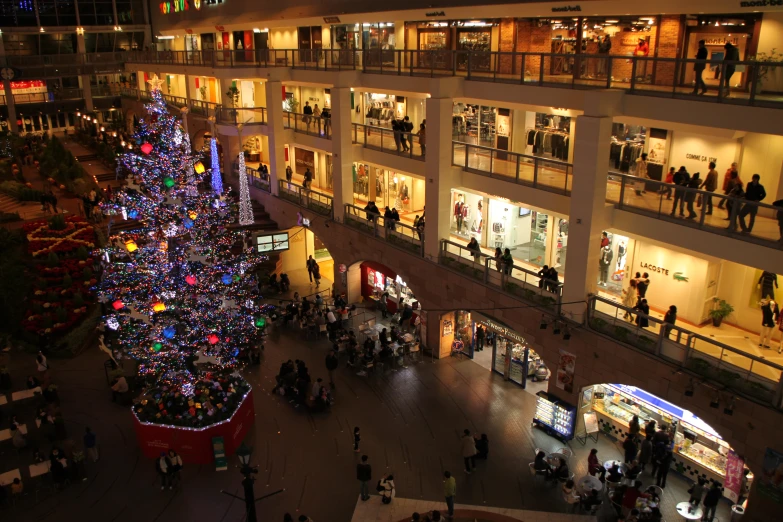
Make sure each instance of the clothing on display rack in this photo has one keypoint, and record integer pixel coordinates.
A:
(624, 154)
(549, 141)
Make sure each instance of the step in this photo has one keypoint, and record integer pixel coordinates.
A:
(106, 176)
(86, 157)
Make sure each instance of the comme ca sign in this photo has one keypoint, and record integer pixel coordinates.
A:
(761, 3)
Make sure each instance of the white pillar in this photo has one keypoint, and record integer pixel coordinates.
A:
(342, 157)
(274, 121)
(587, 210)
(439, 175)
(86, 90)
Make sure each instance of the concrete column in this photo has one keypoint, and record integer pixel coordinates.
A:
(187, 88)
(231, 148)
(439, 175)
(11, 107)
(342, 157)
(86, 90)
(274, 121)
(588, 211)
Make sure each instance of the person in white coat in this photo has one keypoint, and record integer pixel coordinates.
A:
(469, 451)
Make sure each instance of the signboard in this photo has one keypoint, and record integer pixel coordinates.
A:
(565, 371)
(503, 330)
(28, 87)
(304, 159)
(272, 242)
(771, 476)
(219, 450)
(591, 422)
(448, 327)
(734, 476)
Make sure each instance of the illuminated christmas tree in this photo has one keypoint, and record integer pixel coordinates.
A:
(245, 205)
(182, 302)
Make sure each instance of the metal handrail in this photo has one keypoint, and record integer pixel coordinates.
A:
(515, 169)
(258, 179)
(391, 141)
(318, 202)
(308, 124)
(514, 279)
(760, 380)
(242, 115)
(631, 186)
(394, 232)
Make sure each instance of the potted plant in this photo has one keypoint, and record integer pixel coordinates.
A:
(203, 91)
(771, 59)
(233, 96)
(721, 311)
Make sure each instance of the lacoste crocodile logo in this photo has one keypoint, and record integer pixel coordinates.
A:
(679, 277)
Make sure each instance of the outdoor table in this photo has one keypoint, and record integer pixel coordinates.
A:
(42, 468)
(589, 482)
(7, 478)
(609, 463)
(6, 433)
(552, 459)
(25, 394)
(688, 512)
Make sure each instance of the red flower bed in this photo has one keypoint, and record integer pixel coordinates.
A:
(42, 239)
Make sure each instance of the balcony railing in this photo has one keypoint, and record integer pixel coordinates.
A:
(258, 179)
(387, 140)
(696, 208)
(198, 107)
(204, 108)
(307, 124)
(665, 77)
(49, 97)
(244, 116)
(318, 202)
(738, 371)
(547, 174)
(396, 233)
(512, 279)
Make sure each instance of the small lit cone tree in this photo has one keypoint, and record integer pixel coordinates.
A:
(178, 289)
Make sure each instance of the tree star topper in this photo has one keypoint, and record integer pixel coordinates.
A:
(155, 83)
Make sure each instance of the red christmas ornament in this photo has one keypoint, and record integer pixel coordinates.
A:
(146, 148)
(191, 280)
(213, 339)
(117, 305)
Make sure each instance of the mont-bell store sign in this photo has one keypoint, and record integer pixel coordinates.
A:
(178, 6)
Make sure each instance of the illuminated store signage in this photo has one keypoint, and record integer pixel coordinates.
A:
(567, 9)
(178, 6)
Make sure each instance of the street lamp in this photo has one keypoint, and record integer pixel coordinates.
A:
(243, 454)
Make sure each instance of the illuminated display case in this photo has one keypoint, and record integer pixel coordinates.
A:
(555, 416)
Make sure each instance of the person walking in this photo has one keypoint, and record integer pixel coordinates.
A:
(449, 491)
(331, 366)
(630, 297)
(681, 179)
(406, 128)
(396, 126)
(468, 451)
(698, 68)
(311, 265)
(690, 195)
(735, 193)
(175, 466)
(308, 114)
(364, 476)
(162, 467)
(308, 179)
(669, 318)
(730, 59)
(43, 369)
(697, 491)
(317, 275)
(90, 444)
(642, 320)
(357, 437)
(754, 192)
(499, 256)
(710, 184)
(727, 182)
(479, 338)
(711, 500)
(604, 46)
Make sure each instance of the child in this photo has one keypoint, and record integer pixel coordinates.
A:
(356, 438)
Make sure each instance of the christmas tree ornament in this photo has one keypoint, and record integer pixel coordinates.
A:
(199, 167)
(245, 206)
(146, 148)
(190, 279)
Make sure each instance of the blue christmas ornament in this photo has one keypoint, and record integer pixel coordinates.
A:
(188, 223)
(169, 332)
(133, 214)
(226, 279)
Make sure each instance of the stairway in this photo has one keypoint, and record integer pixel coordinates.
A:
(105, 177)
(86, 157)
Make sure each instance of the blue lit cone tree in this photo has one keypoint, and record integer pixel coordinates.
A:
(182, 302)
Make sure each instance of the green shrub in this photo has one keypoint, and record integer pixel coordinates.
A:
(52, 260)
(52, 296)
(87, 272)
(81, 253)
(78, 300)
(57, 222)
(67, 281)
(62, 315)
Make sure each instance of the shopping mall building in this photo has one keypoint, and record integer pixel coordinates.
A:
(537, 116)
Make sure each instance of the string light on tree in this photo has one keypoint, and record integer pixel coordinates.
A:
(217, 179)
(245, 206)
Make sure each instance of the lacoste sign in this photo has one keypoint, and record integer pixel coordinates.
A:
(435, 13)
(569, 9)
(761, 3)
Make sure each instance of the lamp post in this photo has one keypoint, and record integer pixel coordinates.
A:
(243, 454)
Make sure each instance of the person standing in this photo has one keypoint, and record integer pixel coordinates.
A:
(604, 47)
(474, 249)
(43, 369)
(727, 182)
(308, 179)
(681, 179)
(640, 171)
(162, 467)
(710, 184)
(645, 453)
(730, 59)
(90, 444)
(499, 254)
(754, 192)
(331, 366)
(698, 68)
(387, 489)
(663, 469)
(422, 134)
(669, 318)
(308, 114)
(396, 126)
(364, 476)
(449, 491)
(630, 449)
(289, 175)
(642, 50)
(711, 500)
(690, 195)
(479, 338)
(317, 275)
(642, 320)
(311, 265)
(630, 297)
(468, 451)
(175, 466)
(405, 127)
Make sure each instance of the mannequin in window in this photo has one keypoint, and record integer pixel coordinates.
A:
(767, 281)
(622, 249)
(404, 192)
(770, 313)
(603, 264)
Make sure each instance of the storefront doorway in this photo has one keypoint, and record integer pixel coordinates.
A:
(698, 450)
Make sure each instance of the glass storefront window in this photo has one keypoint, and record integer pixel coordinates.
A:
(392, 189)
(614, 262)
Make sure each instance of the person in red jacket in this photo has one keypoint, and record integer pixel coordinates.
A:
(642, 50)
(631, 494)
(594, 466)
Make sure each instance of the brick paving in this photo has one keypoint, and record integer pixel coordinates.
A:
(411, 421)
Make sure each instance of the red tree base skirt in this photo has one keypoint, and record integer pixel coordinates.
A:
(195, 445)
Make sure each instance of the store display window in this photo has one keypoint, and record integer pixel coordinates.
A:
(475, 124)
(550, 136)
(389, 188)
(378, 279)
(475, 37)
(467, 215)
(511, 355)
(698, 449)
(465, 328)
(380, 41)
(614, 262)
(520, 229)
